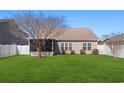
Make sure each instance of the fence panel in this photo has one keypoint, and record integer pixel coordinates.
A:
(10, 50)
(101, 49)
(104, 49)
(23, 49)
(7, 50)
(4, 51)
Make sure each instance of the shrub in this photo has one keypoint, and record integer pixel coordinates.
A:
(82, 52)
(72, 52)
(63, 52)
(95, 52)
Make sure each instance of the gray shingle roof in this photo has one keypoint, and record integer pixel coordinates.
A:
(10, 33)
(77, 34)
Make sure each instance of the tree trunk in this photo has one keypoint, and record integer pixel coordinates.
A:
(39, 53)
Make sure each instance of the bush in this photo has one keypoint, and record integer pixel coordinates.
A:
(72, 52)
(63, 52)
(95, 52)
(82, 52)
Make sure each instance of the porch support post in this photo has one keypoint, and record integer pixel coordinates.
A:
(29, 45)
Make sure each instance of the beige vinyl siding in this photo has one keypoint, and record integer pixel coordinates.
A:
(78, 45)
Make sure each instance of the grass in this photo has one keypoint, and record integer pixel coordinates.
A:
(67, 68)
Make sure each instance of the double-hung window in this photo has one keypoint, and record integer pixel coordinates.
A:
(89, 46)
(62, 46)
(66, 46)
(70, 46)
(86, 46)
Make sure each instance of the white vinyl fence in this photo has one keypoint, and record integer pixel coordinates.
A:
(23, 49)
(104, 49)
(10, 50)
(7, 50)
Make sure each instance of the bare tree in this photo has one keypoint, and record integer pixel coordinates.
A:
(116, 43)
(40, 27)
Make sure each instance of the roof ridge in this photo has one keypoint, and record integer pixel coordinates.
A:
(79, 28)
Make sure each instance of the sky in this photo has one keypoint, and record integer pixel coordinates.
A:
(99, 21)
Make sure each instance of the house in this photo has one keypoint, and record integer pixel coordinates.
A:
(72, 39)
(11, 34)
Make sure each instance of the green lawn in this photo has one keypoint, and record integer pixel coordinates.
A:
(67, 68)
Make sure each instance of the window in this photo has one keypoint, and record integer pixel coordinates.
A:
(62, 46)
(70, 46)
(66, 46)
(86, 46)
(89, 46)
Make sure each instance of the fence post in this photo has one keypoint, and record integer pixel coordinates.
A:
(9, 50)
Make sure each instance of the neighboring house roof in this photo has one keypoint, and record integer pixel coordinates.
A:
(3, 20)
(100, 42)
(116, 39)
(10, 33)
(77, 34)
